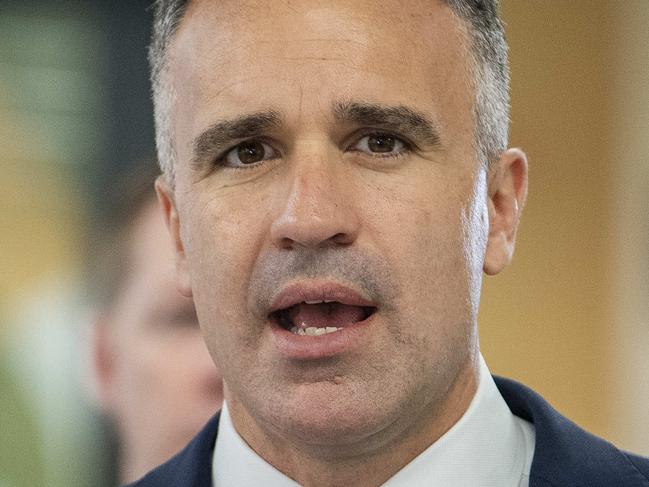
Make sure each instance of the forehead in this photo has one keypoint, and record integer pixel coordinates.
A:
(404, 19)
(237, 56)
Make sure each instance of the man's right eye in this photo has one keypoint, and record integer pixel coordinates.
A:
(249, 153)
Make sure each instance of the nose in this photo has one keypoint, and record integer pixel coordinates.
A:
(318, 209)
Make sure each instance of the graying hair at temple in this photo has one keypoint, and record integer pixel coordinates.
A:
(490, 74)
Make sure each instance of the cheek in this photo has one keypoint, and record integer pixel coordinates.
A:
(149, 362)
(418, 224)
(431, 246)
(143, 366)
(475, 230)
(222, 232)
(164, 365)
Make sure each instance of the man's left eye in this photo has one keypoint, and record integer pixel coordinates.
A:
(380, 145)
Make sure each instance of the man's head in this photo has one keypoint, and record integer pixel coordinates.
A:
(327, 182)
(154, 376)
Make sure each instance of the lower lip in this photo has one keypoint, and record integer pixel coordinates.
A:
(305, 347)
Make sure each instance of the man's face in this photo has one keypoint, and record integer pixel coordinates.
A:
(156, 376)
(326, 153)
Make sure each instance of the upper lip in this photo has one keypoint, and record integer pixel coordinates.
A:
(304, 291)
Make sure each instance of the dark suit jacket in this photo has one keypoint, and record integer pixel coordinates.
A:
(564, 456)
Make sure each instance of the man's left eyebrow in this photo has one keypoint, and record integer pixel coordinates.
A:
(399, 119)
(221, 134)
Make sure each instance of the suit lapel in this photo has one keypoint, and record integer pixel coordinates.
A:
(565, 454)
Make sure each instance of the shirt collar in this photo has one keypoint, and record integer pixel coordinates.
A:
(235, 464)
(488, 446)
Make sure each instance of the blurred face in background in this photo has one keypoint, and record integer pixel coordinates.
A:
(155, 377)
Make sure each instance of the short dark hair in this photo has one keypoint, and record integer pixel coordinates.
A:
(490, 75)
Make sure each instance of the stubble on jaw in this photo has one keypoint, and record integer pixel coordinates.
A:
(363, 461)
(373, 277)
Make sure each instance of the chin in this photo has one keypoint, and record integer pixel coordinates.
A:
(323, 415)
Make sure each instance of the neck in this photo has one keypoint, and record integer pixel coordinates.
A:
(374, 461)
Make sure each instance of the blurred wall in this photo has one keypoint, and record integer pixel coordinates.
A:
(74, 107)
(630, 129)
(570, 316)
(51, 111)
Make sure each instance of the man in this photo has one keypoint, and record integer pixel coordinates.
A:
(155, 378)
(336, 180)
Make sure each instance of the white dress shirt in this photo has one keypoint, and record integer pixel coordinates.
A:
(487, 447)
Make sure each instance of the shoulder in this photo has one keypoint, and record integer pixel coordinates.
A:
(564, 453)
(191, 467)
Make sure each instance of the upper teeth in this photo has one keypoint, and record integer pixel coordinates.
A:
(314, 331)
(318, 301)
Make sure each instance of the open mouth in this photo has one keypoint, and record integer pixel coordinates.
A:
(315, 318)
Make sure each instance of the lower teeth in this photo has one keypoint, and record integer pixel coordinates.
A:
(314, 331)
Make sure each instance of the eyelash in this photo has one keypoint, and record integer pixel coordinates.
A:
(221, 160)
(407, 148)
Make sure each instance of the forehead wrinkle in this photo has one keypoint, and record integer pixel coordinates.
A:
(336, 40)
(300, 105)
(231, 86)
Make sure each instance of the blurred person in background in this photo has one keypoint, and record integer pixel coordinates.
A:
(154, 377)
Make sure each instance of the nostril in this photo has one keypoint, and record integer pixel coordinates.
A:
(315, 241)
(343, 238)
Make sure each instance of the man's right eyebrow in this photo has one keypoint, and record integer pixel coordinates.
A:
(223, 133)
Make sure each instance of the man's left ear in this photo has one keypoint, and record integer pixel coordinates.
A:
(507, 194)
